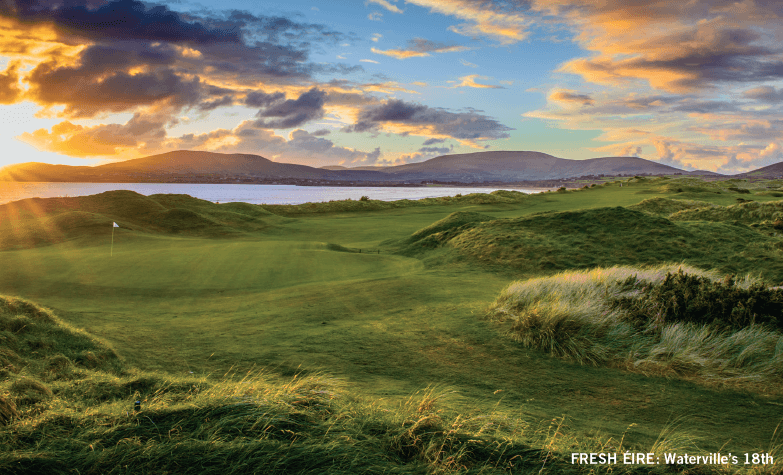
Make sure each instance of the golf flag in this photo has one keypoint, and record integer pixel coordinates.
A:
(114, 225)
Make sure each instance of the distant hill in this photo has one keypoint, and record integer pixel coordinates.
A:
(525, 165)
(181, 165)
(770, 171)
(184, 166)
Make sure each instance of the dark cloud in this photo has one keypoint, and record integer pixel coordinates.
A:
(85, 92)
(321, 132)
(705, 107)
(293, 112)
(122, 19)
(423, 120)
(215, 103)
(440, 150)
(433, 141)
(765, 94)
(262, 99)
(276, 29)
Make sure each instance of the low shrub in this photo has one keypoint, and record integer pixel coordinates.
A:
(695, 299)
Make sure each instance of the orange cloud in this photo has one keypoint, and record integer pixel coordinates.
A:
(419, 47)
(483, 19)
(470, 81)
(400, 53)
(569, 97)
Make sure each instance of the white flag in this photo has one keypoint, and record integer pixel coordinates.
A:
(115, 224)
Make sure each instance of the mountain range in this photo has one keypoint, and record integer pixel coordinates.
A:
(185, 166)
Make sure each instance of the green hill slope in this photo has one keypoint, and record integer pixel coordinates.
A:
(34, 222)
(605, 237)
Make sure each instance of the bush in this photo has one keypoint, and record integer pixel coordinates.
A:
(364, 198)
(694, 299)
(562, 189)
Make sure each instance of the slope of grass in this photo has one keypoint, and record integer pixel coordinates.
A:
(608, 236)
(597, 317)
(35, 222)
(62, 413)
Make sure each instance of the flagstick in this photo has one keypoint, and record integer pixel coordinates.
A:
(112, 240)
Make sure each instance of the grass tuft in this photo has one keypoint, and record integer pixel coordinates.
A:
(576, 315)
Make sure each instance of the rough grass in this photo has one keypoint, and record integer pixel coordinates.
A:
(667, 206)
(746, 213)
(255, 423)
(574, 315)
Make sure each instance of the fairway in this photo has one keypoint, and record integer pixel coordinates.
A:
(390, 320)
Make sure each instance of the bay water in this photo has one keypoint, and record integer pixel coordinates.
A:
(255, 194)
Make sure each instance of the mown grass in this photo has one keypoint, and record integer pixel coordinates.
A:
(267, 290)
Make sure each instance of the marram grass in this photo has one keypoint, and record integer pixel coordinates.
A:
(574, 315)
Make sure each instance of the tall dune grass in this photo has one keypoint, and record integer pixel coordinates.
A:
(573, 315)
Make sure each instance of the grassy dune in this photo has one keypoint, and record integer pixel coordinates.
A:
(552, 241)
(347, 337)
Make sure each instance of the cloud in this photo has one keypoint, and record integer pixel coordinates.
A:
(107, 85)
(121, 20)
(293, 112)
(140, 133)
(263, 99)
(301, 147)
(501, 21)
(419, 47)
(396, 116)
(376, 37)
(764, 94)
(468, 64)
(97, 57)
(375, 16)
(10, 92)
(567, 96)
(433, 141)
(369, 61)
(470, 81)
(718, 42)
(437, 150)
(385, 4)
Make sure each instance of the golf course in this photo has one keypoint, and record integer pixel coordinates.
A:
(485, 333)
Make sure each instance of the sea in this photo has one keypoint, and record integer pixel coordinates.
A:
(255, 194)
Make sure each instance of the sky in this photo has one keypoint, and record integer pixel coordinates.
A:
(688, 83)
